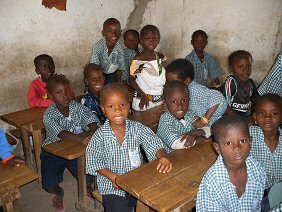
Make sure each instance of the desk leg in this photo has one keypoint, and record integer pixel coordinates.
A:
(141, 207)
(37, 141)
(27, 149)
(9, 207)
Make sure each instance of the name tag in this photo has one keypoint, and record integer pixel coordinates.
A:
(134, 157)
(112, 69)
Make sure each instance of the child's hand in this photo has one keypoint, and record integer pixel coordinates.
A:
(188, 139)
(85, 139)
(113, 179)
(16, 161)
(144, 102)
(119, 74)
(164, 165)
(198, 123)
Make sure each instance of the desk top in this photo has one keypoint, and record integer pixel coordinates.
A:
(24, 117)
(15, 176)
(166, 192)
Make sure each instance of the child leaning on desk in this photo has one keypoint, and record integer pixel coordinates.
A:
(69, 120)
(115, 149)
(175, 125)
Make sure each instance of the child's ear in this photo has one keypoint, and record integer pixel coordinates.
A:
(102, 107)
(37, 71)
(86, 82)
(103, 34)
(50, 96)
(255, 117)
(216, 147)
(188, 81)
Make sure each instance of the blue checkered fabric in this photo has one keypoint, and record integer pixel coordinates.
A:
(55, 122)
(217, 193)
(129, 54)
(272, 162)
(209, 69)
(105, 152)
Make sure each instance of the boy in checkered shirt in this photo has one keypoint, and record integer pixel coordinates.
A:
(236, 181)
(115, 149)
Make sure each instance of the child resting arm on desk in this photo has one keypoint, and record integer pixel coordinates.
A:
(115, 148)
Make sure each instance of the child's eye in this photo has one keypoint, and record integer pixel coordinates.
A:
(110, 106)
(173, 101)
(44, 67)
(184, 100)
(243, 141)
(260, 113)
(227, 143)
(122, 105)
(275, 113)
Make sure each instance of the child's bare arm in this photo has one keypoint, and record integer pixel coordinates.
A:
(164, 164)
(144, 98)
(83, 137)
(199, 123)
(93, 127)
(109, 174)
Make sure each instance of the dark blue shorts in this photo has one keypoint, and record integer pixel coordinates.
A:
(115, 203)
(52, 169)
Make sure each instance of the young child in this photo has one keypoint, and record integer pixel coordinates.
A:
(273, 82)
(65, 119)
(131, 42)
(37, 94)
(205, 65)
(94, 80)
(175, 125)
(115, 149)
(267, 137)
(108, 53)
(147, 75)
(235, 182)
(239, 89)
(207, 105)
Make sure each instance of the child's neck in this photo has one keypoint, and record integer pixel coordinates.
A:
(200, 54)
(110, 47)
(149, 54)
(119, 130)
(271, 139)
(96, 93)
(64, 110)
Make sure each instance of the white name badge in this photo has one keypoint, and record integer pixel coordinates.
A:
(134, 157)
(112, 69)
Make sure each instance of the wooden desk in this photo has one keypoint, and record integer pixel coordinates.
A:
(11, 178)
(174, 190)
(24, 120)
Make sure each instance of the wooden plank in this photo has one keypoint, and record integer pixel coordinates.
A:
(8, 195)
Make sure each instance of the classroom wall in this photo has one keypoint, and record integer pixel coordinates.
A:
(29, 29)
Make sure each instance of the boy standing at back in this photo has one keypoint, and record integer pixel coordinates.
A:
(108, 53)
(205, 65)
(115, 149)
(236, 181)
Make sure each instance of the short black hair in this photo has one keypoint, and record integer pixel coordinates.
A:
(271, 97)
(199, 32)
(173, 85)
(56, 79)
(90, 66)
(182, 68)
(110, 21)
(105, 92)
(42, 57)
(133, 31)
(149, 28)
(239, 54)
(226, 122)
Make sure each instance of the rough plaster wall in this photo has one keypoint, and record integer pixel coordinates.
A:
(29, 29)
(251, 25)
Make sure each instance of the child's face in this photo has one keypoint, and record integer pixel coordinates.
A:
(131, 40)
(242, 69)
(116, 107)
(268, 116)
(234, 146)
(46, 69)
(199, 43)
(177, 102)
(174, 77)
(61, 95)
(95, 80)
(150, 41)
(112, 33)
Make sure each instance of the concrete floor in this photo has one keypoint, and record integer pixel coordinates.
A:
(35, 199)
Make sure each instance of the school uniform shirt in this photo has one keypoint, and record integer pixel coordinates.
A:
(55, 122)
(273, 82)
(171, 129)
(105, 152)
(203, 71)
(90, 100)
(129, 54)
(239, 96)
(203, 98)
(37, 94)
(217, 193)
(5, 148)
(109, 63)
(272, 162)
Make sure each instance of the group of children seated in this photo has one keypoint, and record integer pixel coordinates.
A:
(244, 126)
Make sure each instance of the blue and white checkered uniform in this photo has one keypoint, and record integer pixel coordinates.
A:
(273, 82)
(105, 152)
(129, 54)
(209, 69)
(55, 122)
(272, 162)
(217, 193)
(203, 98)
(170, 128)
(100, 57)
